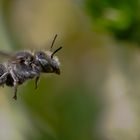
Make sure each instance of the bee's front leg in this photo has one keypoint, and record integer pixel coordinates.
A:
(15, 90)
(37, 81)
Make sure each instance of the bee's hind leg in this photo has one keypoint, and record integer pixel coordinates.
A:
(3, 79)
(15, 83)
(37, 81)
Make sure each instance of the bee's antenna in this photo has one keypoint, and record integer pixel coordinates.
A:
(56, 51)
(53, 42)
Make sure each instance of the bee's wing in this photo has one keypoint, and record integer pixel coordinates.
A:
(9, 56)
(5, 55)
(17, 57)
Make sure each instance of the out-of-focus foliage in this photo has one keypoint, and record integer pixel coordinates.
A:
(120, 17)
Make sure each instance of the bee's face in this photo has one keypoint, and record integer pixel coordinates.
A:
(48, 64)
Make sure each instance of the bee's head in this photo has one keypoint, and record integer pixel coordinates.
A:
(48, 62)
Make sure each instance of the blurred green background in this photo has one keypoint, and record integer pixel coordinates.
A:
(97, 95)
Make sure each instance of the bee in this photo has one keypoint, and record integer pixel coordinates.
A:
(25, 65)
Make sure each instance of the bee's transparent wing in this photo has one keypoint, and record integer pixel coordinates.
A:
(8, 56)
(16, 57)
(5, 55)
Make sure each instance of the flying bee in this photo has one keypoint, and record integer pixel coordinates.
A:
(24, 65)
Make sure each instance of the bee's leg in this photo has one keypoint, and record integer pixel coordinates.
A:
(37, 81)
(15, 91)
(15, 78)
(3, 78)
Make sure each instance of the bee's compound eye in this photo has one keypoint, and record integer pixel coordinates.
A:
(41, 54)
